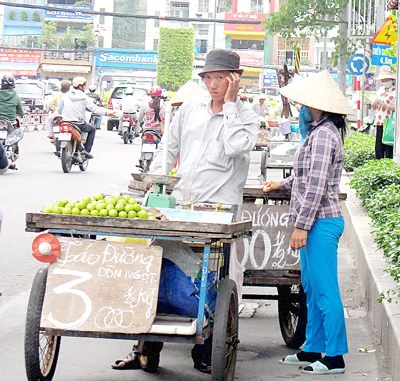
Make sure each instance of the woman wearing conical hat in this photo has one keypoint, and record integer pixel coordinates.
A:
(384, 105)
(318, 221)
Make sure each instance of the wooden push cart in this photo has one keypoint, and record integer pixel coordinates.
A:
(97, 288)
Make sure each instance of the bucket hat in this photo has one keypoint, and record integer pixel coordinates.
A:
(386, 72)
(221, 59)
(318, 91)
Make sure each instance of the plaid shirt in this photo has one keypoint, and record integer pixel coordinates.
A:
(317, 168)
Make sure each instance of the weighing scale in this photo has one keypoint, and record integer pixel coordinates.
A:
(159, 199)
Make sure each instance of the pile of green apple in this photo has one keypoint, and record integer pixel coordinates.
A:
(173, 172)
(101, 206)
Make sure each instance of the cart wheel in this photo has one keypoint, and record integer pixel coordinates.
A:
(263, 165)
(292, 311)
(41, 350)
(225, 332)
(149, 357)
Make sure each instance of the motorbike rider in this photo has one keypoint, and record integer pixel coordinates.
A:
(97, 100)
(64, 87)
(10, 103)
(72, 107)
(152, 113)
(129, 105)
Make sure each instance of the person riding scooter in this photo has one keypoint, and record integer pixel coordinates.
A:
(10, 103)
(72, 107)
(152, 113)
(129, 105)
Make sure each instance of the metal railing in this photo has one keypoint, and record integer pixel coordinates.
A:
(67, 56)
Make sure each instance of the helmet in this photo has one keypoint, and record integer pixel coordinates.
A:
(155, 91)
(129, 91)
(77, 81)
(92, 88)
(7, 81)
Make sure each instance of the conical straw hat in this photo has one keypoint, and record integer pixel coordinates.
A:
(188, 90)
(318, 91)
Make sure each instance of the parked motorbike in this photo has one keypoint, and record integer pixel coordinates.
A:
(130, 127)
(10, 145)
(10, 140)
(71, 140)
(150, 140)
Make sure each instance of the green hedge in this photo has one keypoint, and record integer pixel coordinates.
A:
(358, 148)
(377, 184)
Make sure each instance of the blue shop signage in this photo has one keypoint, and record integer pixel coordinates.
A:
(71, 12)
(127, 59)
(270, 78)
(380, 55)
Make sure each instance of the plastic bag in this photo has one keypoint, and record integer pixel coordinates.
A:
(179, 294)
(182, 255)
(388, 130)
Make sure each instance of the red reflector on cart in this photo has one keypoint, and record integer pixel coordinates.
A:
(46, 248)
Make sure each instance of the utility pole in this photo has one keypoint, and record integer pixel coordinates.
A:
(215, 25)
(94, 56)
(342, 64)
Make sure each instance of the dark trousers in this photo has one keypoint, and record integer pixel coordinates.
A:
(91, 130)
(382, 150)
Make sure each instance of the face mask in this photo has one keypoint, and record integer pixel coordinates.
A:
(305, 118)
(388, 84)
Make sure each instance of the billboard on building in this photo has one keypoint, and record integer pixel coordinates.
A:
(19, 62)
(71, 13)
(127, 59)
(241, 16)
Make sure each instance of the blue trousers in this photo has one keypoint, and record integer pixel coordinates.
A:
(326, 327)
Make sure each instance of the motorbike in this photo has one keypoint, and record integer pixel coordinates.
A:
(10, 140)
(10, 145)
(150, 140)
(71, 140)
(130, 127)
(55, 127)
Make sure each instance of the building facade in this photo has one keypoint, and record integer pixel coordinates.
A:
(122, 46)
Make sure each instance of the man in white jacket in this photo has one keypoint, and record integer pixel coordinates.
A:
(72, 107)
(213, 136)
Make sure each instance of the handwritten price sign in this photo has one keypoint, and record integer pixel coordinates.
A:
(101, 286)
(269, 246)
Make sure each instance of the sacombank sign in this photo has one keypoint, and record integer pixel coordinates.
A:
(129, 59)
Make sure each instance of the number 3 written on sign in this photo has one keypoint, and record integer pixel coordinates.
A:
(67, 288)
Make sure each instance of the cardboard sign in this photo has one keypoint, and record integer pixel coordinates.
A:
(100, 286)
(269, 246)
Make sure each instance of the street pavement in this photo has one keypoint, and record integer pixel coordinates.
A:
(40, 180)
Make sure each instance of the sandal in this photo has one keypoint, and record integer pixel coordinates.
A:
(131, 361)
(318, 367)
